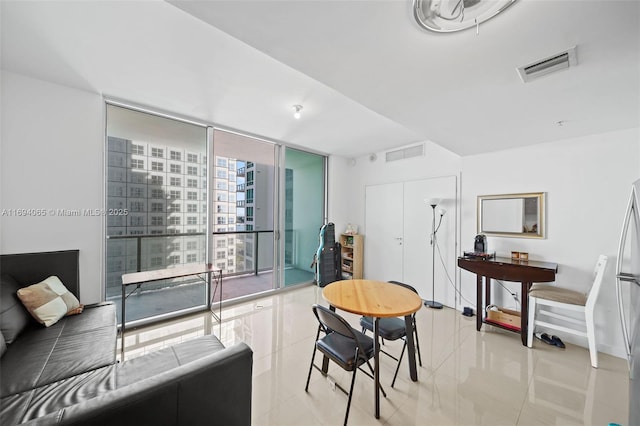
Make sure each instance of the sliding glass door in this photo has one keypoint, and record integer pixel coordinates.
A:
(244, 212)
(157, 188)
(304, 200)
(262, 209)
(193, 194)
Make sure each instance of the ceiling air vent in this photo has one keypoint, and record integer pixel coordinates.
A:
(401, 154)
(548, 65)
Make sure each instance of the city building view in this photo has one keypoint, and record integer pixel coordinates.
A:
(162, 191)
(185, 193)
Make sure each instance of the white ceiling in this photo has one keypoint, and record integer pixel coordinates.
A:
(369, 77)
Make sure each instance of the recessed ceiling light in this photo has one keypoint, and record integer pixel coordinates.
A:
(296, 111)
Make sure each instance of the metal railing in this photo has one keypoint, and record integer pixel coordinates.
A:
(251, 253)
(255, 252)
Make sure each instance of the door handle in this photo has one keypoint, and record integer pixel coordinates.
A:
(621, 276)
(630, 278)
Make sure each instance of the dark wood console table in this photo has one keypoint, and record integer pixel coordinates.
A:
(506, 269)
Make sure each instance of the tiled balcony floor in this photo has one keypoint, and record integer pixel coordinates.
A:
(146, 303)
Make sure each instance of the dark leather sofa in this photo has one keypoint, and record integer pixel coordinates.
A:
(68, 373)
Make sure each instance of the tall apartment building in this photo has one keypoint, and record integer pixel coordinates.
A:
(225, 246)
(164, 190)
(254, 212)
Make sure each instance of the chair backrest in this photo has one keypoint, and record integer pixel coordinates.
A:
(332, 321)
(597, 282)
(407, 286)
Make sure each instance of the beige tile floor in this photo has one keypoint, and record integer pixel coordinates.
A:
(466, 378)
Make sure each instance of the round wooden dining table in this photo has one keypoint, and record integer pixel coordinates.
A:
(377, 299)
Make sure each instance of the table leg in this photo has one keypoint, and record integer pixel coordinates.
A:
(325, 365)
(122, 322)
(524, 314)
(208, 290)
(220, 305)
(479, 307)
(212, 290)
(411, 348)
(376, 366)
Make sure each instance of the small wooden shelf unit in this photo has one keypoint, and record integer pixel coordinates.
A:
(351, 256)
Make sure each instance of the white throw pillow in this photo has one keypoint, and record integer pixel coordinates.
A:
(48, 301)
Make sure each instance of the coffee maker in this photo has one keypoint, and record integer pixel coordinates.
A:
(480, 244)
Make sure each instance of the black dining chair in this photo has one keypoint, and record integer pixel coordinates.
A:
(342, 344)
(394, 329)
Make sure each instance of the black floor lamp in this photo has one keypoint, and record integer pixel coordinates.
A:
(433, 202)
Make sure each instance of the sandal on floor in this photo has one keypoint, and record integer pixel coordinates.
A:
(556, 341)
(545, 338)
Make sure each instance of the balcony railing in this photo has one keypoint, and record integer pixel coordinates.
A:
(251, 252)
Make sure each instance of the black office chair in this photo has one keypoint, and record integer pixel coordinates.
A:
(342, 344)
(394, 329)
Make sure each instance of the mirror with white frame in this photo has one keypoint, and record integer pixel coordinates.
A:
(512, 215)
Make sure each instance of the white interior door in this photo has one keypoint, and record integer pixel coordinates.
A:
(419, 254)
(398, 225)
(383, 232)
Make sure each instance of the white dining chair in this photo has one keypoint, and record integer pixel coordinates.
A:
(559, 298)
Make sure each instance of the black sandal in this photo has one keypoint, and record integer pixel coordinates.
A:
(556, 341)
(545, 338)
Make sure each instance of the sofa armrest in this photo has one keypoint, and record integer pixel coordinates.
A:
(213, 389)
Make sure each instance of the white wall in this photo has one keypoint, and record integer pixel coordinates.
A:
(437, 170)
(339, 178)
(51, 157)
(587, 181)
(436, 162)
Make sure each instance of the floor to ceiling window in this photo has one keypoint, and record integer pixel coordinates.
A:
(244, 213)
(304, 199)
(157, 177)
(262, 204)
